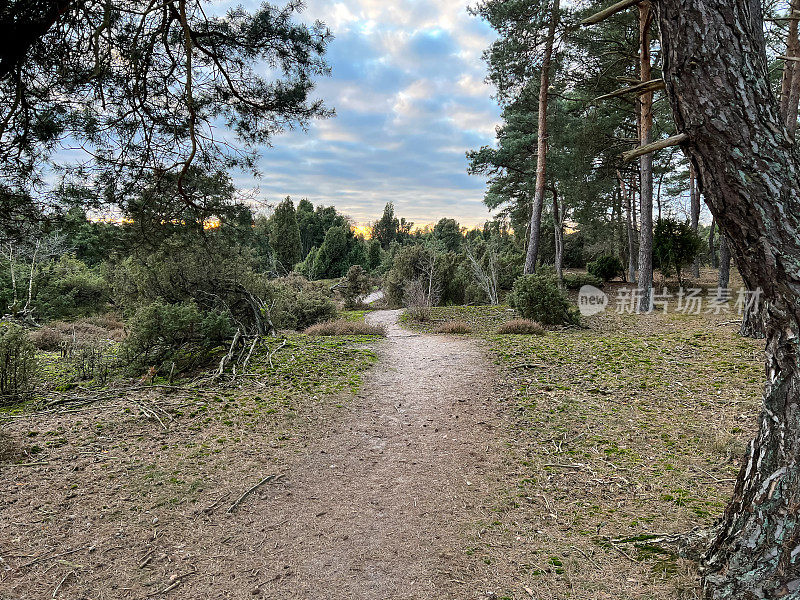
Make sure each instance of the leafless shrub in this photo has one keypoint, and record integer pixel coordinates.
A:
(521, 327)
(333, 328)
(420, 296)
(485, 275)
(453, 327)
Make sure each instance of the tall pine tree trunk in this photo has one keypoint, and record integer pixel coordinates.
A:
(712, 253)
(724, 281)
(717, 81)
(790, 85)
(629, 215)
(694, 192)
(645, 166)
(541, 158)
(558, 231)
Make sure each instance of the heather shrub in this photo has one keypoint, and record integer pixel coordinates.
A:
(334, 328)
(453, 327)
(521, 327)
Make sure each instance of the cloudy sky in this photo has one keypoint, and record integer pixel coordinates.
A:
(409, 93)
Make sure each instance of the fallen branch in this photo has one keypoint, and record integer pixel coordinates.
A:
(271, 354)
(242, 498)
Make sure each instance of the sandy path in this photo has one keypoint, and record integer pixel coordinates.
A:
(379, 506)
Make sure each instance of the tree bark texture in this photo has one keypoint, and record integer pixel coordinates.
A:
(724, 280)
(645, 281)
(558, 231)
(541, 159)
(748, 167)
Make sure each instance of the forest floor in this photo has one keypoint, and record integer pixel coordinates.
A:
(467, 467)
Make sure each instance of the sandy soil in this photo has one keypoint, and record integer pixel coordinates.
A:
(378, 499)
(379, 506)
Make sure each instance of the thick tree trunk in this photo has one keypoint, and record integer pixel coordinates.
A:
(694, 192)
(749, 170)
(753, 318)
(724, 281)
(541, 158)
(645, 167)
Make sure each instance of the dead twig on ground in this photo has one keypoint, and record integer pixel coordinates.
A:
(60, 583)
(242, 498)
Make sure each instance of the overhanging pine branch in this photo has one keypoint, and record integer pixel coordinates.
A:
(675, 140)
(610, 11)
(641, 88)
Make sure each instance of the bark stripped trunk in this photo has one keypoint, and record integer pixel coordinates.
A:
(748, 166)
(541, 159)
(645, 166)
(695, 196)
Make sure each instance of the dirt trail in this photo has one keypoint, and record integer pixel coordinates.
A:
(378, 507)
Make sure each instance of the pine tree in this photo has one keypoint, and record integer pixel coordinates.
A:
(285, 236)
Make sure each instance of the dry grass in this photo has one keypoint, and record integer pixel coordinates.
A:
(453, 327)
(91, 329)
(521, 327)
(334, 328)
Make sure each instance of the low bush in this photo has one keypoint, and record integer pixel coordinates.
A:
(47, 339)
(298, 305)
(606, 268)
(577, 280)
(538, 297)
(453, 327)
(332, 328)
(521, 327)
(17, 364)
(161, 332)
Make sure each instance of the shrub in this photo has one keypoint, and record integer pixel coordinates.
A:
(453, 327)
(47, 339)
(606, 268)
(675, 245)
(578, 280)
(298, 304)
(521, 327)
(162, 332)
(356, 285)
(17, 363)
(332, 328)
(538, 297)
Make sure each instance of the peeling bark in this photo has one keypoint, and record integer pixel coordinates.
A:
(749, 171)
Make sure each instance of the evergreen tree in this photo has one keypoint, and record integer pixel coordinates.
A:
(386, 229)
(285, 236)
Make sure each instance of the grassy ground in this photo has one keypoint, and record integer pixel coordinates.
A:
(627, 427)
(100, 478)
